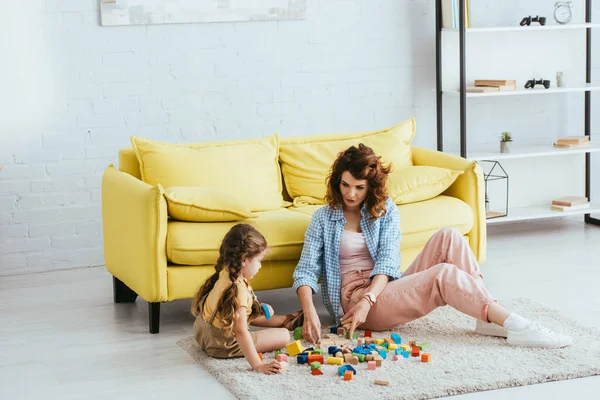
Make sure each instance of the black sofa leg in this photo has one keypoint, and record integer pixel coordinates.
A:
(154, 316)
(122, 293)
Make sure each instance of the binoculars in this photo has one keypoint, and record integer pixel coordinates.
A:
(528, 20)
(532, 82)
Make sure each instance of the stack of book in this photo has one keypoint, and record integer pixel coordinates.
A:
(492, 85)
(450, 14)
(570, 203)
(573, 142)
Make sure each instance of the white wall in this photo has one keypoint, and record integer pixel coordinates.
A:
(73, 93)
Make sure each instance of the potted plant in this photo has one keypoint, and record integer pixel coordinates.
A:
(505, 141)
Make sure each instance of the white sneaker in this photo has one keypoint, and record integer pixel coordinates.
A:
(490, 329)
(537, 336)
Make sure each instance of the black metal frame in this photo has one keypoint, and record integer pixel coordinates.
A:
(490, 177)
(463, 93)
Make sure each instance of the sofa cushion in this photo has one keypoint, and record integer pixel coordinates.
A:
(418, 183)
(418, 221)
(193, 243)
(248, 169)
(306, 160)
(190, 243)
(198, 204)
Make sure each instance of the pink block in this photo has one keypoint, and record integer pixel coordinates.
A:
(371, 365)
(282, 357)
(395, 358)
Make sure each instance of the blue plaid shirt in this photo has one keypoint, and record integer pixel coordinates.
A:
(321, 251)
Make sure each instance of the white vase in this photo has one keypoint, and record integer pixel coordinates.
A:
(505, 147)
(560, 79)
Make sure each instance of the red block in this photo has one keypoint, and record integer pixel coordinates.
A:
(316, 357)
(368, 334)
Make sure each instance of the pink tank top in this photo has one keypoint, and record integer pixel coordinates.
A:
(354, 254)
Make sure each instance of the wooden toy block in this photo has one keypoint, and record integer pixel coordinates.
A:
(342, 370)
(260, 356)
(398, 351)
(278, 352)
(378, 348)
(392, 346)
(371, 365)
(360, 341)
(351, 369)
(341, 331)
(316, 371)
(318, 351)
(425, 357)
(339, 354)
(282, 357)
(294, 348)
(412, 343)
(285, 366)
(353, 335)
(316, 357)
(348, 358)
(369, 340)
(333, 329)
(347, 350)
(423, 346)
(298, 333)
(341, 342)
(368, 334)
(385, 344)
(395, 358)
(333, 349)
(379, 341)
(405, 347)
(369, 357)
(383, 354)
(335, 360)
(396, 338)
(415, 352)
(315, 364)
(361, 357)
(382, 382)
(354, 360)
(378, 362)
(348, 375)
(302, 358)
(405, 354)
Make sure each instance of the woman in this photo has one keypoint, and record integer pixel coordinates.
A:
(353, 245)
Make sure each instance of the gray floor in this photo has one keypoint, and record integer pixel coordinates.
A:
(61, 336)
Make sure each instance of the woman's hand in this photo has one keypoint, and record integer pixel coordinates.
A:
(270, 368)
(356, 316)
(311, 329)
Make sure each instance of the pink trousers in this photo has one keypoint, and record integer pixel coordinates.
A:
(444, 273)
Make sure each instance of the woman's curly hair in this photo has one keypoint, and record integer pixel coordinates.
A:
(363, 164)
(241, 242)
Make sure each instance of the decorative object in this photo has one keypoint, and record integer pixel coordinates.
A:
(487, 204)
(528, 20)
(489, 177)
(456, 352)
(146, 12)
(560, 79)
(530, 84)
(563, 12)
(505, 140)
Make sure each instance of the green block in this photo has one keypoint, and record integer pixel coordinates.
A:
(315, 364)
(277, 352)
(298, 333)
(318, 351)
(361, 357)
(423, 346)
(348, 335)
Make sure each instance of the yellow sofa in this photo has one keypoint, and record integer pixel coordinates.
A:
(161, 259)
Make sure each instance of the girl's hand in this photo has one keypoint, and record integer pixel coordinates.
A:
(312, 325)
(270, 368)
(356, 316)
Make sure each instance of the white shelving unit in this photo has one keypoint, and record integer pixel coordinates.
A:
(458, 44)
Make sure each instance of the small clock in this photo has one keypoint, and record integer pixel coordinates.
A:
(563, 12)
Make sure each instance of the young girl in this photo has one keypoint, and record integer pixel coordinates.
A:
(225, 304)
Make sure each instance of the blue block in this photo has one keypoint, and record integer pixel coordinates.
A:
(333, 329)
(349, 368)
(266, 310)
(302, 358)
(342, 369)
(385, 344)
(383, 354)
(399, 351)
(405, 354)
(309, 349)
(333, 349)
(396, 338)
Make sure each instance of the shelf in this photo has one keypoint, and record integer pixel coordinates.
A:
(532, 28)
(524, 92)
(540, 212)
(531, 152)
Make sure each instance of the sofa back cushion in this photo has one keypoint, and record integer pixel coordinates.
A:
(306, 160)
(247, 169)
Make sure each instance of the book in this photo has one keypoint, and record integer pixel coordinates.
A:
(570, 208)
(573, 146)
(480, 89)
(569, 201)
(573, 139)
(495, 82)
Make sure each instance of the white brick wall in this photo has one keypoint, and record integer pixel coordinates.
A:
(73, 93)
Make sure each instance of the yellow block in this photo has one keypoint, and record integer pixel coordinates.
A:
(379, 341)
(294, 348)
(405, 347)
(392, 346)
(335, 360)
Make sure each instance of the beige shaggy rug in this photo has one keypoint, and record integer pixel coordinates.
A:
(462, 362)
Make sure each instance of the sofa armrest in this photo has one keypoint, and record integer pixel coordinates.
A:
(468, 187)
(134, 219)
